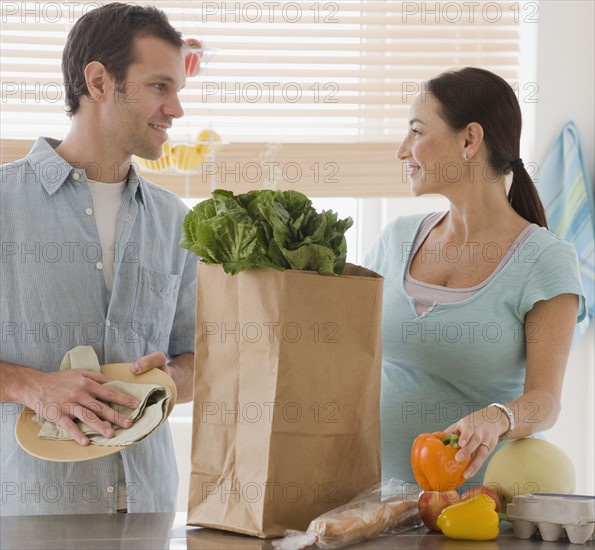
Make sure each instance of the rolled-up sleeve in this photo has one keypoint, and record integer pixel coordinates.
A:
(183, 329)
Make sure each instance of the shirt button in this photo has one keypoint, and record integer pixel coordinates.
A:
(128, 217)
(99, 265)
(424, 314)
(75, 176)
(430, 308)
(89, 211)
(108, 322)
(110, 489)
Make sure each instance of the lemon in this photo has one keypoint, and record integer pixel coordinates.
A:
(187, 158)
(209, 136)
(208, 140)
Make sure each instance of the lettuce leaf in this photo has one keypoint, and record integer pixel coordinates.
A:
(265, 228)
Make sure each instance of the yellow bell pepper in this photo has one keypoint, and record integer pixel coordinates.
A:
(472, 519)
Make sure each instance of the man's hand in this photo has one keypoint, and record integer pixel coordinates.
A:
(156, 360)
(64, 396)
(180, 368)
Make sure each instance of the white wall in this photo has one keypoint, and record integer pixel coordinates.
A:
(181, 432)
(565, 61)
(564, 74)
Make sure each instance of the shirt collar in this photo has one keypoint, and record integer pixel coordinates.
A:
(136, 183)
(52, 170)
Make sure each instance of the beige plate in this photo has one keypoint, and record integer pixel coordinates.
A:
(70, 451)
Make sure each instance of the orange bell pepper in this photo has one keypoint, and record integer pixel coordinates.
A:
(433, 462)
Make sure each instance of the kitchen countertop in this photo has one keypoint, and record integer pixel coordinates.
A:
(168, 531)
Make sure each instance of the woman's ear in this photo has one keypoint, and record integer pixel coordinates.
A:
(473, 138)
(96, 80)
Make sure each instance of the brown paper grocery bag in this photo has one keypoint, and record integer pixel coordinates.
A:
(286, 396)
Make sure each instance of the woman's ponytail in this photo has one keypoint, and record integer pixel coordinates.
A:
(523, 196)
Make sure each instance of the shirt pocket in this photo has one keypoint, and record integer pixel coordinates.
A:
(155, 303)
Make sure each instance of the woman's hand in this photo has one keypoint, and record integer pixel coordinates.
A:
(478, 435)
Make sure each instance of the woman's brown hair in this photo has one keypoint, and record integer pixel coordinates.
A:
(476, 95)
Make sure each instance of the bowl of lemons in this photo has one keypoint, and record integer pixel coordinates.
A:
(186, 158)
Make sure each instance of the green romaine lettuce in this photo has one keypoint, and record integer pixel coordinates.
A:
(265, 228)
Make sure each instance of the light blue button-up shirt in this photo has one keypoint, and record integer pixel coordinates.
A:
(53, 298)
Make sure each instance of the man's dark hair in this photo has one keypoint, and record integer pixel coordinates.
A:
(107, 34)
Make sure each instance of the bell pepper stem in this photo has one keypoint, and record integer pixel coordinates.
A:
(502, 516)
(452, 440)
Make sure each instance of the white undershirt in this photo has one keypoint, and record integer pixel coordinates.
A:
(107, 201)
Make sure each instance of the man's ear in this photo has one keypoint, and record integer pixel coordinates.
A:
(96, 78)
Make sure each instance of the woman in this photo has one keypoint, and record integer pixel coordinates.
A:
(480, 302)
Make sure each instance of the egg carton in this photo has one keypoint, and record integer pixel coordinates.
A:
(553, 514)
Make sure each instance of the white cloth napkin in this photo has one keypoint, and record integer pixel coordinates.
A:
(151, 412)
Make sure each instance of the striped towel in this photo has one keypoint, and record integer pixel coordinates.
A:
(567, 196)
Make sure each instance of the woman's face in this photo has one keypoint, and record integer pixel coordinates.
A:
(432, 152)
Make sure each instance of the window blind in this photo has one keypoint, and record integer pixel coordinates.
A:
(307, 95)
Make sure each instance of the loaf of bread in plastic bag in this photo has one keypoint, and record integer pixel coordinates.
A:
(362, 520)
(388, 508)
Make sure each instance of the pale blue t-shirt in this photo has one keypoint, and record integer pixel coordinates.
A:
(458, 358)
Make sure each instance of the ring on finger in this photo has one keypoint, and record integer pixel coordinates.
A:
(486, 446)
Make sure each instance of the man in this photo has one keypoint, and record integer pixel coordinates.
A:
(92, 258)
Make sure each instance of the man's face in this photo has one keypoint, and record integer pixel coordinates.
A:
(139, 115)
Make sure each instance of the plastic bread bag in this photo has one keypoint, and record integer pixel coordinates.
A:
(387, 508)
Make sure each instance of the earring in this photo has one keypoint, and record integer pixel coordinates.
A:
(465, 156)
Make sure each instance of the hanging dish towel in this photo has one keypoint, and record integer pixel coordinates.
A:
(567, 196)
(150, 413)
